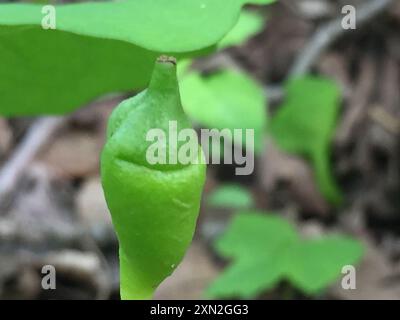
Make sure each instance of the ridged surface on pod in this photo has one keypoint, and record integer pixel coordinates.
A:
(154, 208)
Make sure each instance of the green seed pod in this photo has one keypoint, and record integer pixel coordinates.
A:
(154, 207)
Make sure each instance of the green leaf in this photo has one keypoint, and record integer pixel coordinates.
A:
(266, 249)
(305, 123)
(248, 25)
(157, 25)
(331, 253)
(98, 48)
(253, 240)
(231, 196)
(256, 230)
(55, 72)
(246, 278)
(226, 100)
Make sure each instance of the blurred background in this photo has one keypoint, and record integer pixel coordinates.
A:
(325, 105)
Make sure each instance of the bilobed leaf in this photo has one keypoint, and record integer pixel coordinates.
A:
(256, 230)
(231, 196)
(199, 97)
(226, 100)
(266, 249)
(246, 278)
(331, 253)
(254, 240)
(305, 123)
(98, 47)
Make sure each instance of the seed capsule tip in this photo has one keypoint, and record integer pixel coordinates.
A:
(167, 59)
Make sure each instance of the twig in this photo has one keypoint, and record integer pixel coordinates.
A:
(385, 119)
(37, 135)
(307, 11)
(358, 103)
(329, 32)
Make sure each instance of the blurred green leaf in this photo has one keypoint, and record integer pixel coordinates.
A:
(305, 123)
(313, 264)
(98, 47)
(227, 99)
(231, 196)
(255, 241)
(248, 25)
(266, 249)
